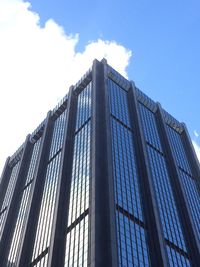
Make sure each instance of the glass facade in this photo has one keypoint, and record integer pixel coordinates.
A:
(133, 166)
(186, 178)
(8, 196)
(44, 224)
(170, 221)
(23, 208)
(76, 253)
(131, 232)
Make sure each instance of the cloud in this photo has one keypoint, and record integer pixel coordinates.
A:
(37, 66)
(196, 134)
(197, 149)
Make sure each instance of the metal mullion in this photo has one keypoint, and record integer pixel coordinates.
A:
(4, 180)
(52, 203)
(114, 98)
(77, 176)
(36, 251)
(14, 235)
(192, 157)
(114, 160)
(78, 180)
(159, 189)
(155, 241)
(48, 204)
(54, 189)
(83, 195)
(125, 156)
(192, 243)
(21, 207)
(57, 137)
(119, 167)
(46, 212)
(84, 104)
(11, 187)
(35, 159)
(163, 192)
(120, 152)
(54, 139)
(101, 237)
(135, 185)
(14, 200)
(74, 172)
(135, 179)
(81, 240)
(85, 181)
(36, 248)
(36, 196)
(76, 243)
(188, 191)
(81, 157)
(18, 232)
(80, 114)
(62, 199)
(71, 199)
(124, 103)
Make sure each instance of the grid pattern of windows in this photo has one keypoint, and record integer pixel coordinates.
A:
(126, 178)
(150, 129)
(79, 195)
(44, 226)
(45, 220)
(58, 134)
(178, 150)
(118, 105)
(22, 213)
(166, 204)
(185, 176)
(192, 196)
(176, 259)
(8, 196)
(132, 245)
(76, 253)
(172, 230)
(84, 106)
(77, 244)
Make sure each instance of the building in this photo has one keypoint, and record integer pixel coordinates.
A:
(108, 179)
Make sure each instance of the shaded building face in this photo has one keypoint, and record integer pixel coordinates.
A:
(109, 178)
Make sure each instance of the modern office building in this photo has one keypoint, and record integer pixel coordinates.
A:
(108, 179)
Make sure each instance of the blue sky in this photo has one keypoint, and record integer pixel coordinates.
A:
(44, 44)
(164, 37)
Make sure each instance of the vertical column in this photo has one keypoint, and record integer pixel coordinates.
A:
(185, 217)
(58, 238)
(14, 203)
(101, 251)
(36, 196)
(152, 221)
(192, 157)
(4, 180)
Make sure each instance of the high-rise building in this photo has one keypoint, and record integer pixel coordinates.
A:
(108, 179)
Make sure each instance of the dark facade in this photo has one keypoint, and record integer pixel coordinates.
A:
(108, 179)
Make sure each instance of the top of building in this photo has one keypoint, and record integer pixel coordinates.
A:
(80, 85)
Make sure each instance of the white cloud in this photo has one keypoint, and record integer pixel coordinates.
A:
(197, 149)
(37, 65)
(196, 134)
